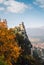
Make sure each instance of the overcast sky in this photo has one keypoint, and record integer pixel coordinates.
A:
(31, 12)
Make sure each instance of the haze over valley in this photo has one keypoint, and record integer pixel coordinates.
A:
(36, 36)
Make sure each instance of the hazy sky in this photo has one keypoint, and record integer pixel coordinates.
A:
(31, 12)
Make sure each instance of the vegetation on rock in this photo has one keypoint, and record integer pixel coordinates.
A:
(15, 49)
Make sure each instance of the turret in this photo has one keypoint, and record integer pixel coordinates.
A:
(3, 23)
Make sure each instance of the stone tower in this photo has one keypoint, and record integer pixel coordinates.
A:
(3, 23)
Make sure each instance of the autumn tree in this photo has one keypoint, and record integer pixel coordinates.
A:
(9, 46)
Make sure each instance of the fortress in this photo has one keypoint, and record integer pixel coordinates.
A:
(3, 23)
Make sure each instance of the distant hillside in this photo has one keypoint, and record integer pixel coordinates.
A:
(35, 32)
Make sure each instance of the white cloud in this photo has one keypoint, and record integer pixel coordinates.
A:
(40, 3)
(1, 8)
(14, 6)
(2, 1)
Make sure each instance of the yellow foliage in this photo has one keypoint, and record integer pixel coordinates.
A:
(8, 45)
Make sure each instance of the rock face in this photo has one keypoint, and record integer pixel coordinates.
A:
(3, 23)
(24, 42)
